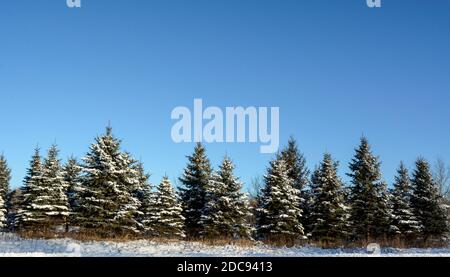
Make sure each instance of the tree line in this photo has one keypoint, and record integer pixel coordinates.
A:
(109, 194)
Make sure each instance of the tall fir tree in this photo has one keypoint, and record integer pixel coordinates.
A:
(166, 216)
(45, 204)
(329, 212)
(5, 178)
(195, 179)
(146, 197)
(426, 202)
(404, 223)
(278, 213)
(300, 175)
(370, 213)
(107, 204)
(296, 165)
(72, 177)
(227, 210)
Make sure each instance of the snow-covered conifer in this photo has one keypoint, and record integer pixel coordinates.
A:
(404, 223)
(45, 203)
(300, 174)
(193, 196)
(167, 219)
(107, 203)
(278, 213)
(227, 209)
(370, 214)
(72, 177)
(329, 212)
(146, 197)
(426, 202)
(5, 177)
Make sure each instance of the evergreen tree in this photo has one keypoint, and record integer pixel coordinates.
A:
(369, 217)
(193, 195)
(227, 210)
(72, 177)
(166, 217)
(296, 165)
(146, 197)
(278, 214)
(107, 204)
(426, 201)
(404, 223)
(45, 203)
(300, 174)
(329, 209)
(5, 178)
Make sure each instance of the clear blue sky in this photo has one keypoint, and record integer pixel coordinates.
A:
(336, 69)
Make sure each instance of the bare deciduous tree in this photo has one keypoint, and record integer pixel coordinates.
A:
(442, 177)
(255, 188)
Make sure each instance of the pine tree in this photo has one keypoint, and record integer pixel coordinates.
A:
(166, 217)
(45, 204)
(404, 223)
(300, 174)
(72, 177)
(227, 210)
(146, 197)
(329, 211)
(5, 178)
(278, 213)
(193, 195)
(296, 165)
(107, 204)
(426, 201)
(369, 215)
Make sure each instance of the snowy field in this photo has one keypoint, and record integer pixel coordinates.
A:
(12, 246)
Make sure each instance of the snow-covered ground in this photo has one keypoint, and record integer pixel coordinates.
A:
(11, 245)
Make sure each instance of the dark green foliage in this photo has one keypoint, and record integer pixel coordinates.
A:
(278, 212)
(5, 178)
(107, 203)
(426, 202)
(227, 211)
(404, 223)
(44, 204)
(370, 214)
(166, 216)
(193, 192)
(329, 212)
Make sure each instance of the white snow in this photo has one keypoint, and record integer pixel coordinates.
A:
(13, 246)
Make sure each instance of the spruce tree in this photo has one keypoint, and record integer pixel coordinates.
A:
(227, 211)
(5, 178)
(369, 217)
(296, 165)
(404, 222)
(426, 202)
(146, 197)
(45, 204)
(26, 216)
(193, 192)
(73, 179)
(107, 204)
(53, 181)
(300, 174)
(166, 216)
(278, 213)
(329, 212)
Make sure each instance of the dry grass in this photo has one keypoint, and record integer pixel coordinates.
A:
(223, 241)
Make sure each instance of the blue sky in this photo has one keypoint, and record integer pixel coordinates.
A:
(336, 69)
